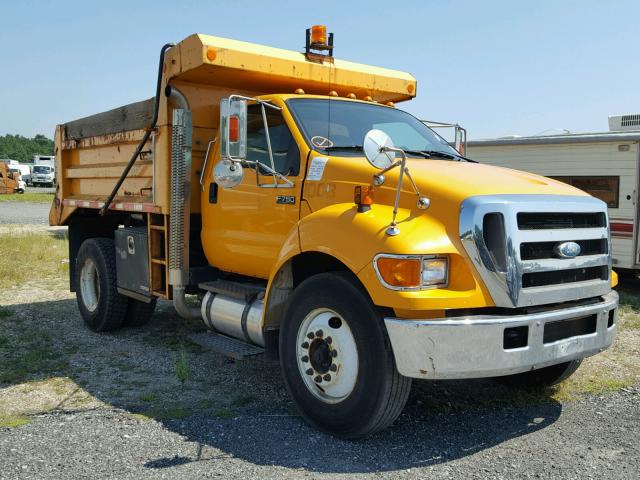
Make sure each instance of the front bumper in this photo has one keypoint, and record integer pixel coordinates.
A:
(473, 347)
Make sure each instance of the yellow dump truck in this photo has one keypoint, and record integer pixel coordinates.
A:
(315, 223)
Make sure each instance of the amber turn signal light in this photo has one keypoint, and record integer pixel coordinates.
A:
(399, 272)
(363, 197)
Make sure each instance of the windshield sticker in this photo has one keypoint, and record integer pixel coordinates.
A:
(321, 142)
(316, 169)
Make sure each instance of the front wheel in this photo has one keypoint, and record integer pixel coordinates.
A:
(336, 359)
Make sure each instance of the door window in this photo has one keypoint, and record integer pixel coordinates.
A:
(286, 156)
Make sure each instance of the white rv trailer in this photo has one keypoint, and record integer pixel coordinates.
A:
(606, 165)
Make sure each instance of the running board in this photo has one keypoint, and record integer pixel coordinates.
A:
(224, 345)
(242, 291)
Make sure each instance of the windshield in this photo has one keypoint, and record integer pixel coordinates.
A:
(41, 169)
(336, 123)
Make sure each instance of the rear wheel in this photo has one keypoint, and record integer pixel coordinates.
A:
(101, 306)
(542, 377)
(139, 313)
(336, 359)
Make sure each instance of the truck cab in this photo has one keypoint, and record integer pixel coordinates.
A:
(322, 226)
(43, 175)
(10, 181)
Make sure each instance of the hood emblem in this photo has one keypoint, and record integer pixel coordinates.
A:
(567, 249)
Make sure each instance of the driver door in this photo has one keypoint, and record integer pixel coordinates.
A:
(245, 227)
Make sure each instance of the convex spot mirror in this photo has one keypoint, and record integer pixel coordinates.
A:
(227, 173)
(374, 145)
(233, 128)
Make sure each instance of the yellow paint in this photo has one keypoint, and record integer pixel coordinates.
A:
(247, 231)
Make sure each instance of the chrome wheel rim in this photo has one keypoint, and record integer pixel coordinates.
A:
(327, 355)
(89, 285)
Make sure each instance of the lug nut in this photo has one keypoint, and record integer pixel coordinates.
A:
(327, 377)
(334, 353)
(309, 371)
(333, 367)
(318, 379)
(319, 333)
(305, 345)
(328, 339)
(310, 335)
(305, 359)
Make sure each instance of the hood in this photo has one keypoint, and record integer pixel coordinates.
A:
(459, 180)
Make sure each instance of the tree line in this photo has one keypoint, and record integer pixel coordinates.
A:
(17, 147)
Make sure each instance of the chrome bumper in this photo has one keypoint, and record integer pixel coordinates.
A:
(473, 347)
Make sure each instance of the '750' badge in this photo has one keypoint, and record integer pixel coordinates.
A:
(286, 200)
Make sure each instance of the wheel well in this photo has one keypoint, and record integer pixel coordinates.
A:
(291, 274)
(308, 264)
(83, 227)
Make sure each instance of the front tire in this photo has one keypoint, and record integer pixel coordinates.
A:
(101, 306)
(542, 377)
(336, 359)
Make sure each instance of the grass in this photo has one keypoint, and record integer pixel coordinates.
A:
(148, 397)
(29, 358)
(223, 413)
(171, 413)
(28, 197)
(13, 421)
(182, 367)
(32, 256)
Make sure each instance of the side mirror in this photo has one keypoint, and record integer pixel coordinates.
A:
(233, 128)
(374, 145)
(227, 173)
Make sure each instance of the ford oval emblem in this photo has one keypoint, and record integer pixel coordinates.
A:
(567, 249)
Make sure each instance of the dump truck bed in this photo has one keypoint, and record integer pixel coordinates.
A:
(92, 152)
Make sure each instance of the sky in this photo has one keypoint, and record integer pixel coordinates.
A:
(495, 67)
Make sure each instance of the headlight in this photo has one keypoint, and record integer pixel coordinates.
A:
(411, 272)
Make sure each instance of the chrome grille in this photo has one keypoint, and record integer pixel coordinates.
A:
(512, 239)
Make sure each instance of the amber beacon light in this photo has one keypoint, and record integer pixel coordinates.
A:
(318, 42)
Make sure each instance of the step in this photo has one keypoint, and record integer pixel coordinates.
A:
(243, 291)
(227, 346)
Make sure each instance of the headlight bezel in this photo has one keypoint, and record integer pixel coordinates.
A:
(413, 257)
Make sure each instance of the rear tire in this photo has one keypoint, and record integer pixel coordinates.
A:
(101, 306)
(343, 380)
(542, 377)
(139, 313)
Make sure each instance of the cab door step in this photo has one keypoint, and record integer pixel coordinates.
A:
(224, 345)
(242, 291)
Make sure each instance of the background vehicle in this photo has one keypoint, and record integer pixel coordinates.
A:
(10, 180)
(43, 175)
(25, 171)
(604, 164)
(322, 226)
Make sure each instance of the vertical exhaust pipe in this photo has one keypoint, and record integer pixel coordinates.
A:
(179, 211)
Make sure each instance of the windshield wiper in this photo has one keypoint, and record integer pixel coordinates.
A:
(439, 154)
(357, 148)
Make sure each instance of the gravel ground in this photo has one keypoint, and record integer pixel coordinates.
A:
(111, 406)
(581, 440)
(31, 213)
(86, 405)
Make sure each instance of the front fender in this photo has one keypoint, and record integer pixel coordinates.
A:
(356, 238)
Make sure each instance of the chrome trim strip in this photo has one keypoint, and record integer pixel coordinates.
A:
(473, 346)
(553, 264)
(505, 287)
(412, 257)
